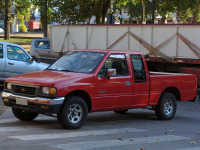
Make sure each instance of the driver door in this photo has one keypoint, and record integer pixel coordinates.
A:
(115, 92)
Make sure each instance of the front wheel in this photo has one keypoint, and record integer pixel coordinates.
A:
(166, 107)
(24, 115)
(73, 113)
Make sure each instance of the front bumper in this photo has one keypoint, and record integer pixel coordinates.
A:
(34, 104)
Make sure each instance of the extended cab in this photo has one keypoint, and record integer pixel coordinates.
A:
(14, 60)
(83, 81)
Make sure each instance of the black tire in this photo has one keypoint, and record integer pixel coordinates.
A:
(121, 111)
(166, 107)
(73, 113)
(24, 115)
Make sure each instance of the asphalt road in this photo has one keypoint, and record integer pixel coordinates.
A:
(139, 129)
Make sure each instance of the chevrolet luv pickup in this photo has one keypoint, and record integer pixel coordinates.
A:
(83, 81)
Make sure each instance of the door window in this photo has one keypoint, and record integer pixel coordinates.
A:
(118, 62)
(42, 44)
(1, 51)
(139, 69)
(16, 53)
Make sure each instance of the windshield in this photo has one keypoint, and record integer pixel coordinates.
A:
(78, 61)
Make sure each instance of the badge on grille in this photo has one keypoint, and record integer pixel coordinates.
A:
(23, 89)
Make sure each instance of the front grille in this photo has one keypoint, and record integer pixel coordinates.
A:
(25, 90)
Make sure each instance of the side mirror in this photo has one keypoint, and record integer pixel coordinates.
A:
(35, 59)
(31, 59)
(111, 73)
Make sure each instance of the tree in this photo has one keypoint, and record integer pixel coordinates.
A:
(188, 9)
(46, 8)
(164, 8)
(71, 11)
(2, 5)
(139, 9)
(22, 10)
(119, 5)
(7, 19)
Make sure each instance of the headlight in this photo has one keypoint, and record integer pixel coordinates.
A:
(8, 86)
(49, 90)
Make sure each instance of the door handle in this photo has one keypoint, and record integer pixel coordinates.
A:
(10, 63)
(127, 83)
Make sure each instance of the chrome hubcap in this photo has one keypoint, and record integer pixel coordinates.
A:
(75, 113)
(168, 107)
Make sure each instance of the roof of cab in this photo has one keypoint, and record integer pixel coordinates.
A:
(109, 51)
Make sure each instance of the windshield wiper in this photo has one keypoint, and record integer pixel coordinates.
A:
(67, 70)
(52, 69)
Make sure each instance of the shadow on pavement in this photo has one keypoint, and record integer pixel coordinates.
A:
(2, 107)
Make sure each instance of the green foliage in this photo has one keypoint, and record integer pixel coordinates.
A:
(71, 11)
(22, 28)
(2, 5)
(185, 9)
(22, 10)
(135, 9)
(51, 5)
(17, 40)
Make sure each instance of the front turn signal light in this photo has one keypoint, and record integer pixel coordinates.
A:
(49, 90)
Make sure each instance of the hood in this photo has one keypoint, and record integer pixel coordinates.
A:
(46, 78)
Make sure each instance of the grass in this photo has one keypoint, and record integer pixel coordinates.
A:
(17, 40)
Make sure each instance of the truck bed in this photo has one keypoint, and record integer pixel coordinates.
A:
(176, 82)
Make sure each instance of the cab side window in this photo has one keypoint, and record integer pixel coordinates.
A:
(16, 53)
(42, 44)
(118, 62)
(138, 68)
(1, 51)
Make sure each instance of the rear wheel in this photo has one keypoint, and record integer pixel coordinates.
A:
(166, 107)
(121, 111)
(73, 113)
(24, 115)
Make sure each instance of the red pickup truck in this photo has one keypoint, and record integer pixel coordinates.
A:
(83, 81)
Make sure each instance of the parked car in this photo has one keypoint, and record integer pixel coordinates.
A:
(40, 50)
(14, 60)
(85, 81)
(1, 30)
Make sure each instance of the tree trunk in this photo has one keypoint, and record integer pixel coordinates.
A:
(48, 32)
(143, 13)
(45, 19)
(153, 11)
(121, 19)
(105, 7)
(97, 5)
(7, 19)
(98, 19)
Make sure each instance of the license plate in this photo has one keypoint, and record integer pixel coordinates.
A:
(21, 101)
